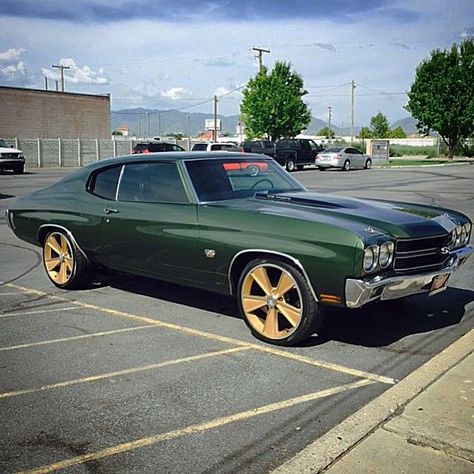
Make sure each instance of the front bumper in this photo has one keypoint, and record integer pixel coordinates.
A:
(362, 291)
(12, 163)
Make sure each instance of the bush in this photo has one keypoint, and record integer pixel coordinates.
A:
(407, 150)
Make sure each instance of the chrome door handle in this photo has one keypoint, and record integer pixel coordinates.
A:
(107, 210)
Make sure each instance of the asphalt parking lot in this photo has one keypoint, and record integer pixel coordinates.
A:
(136, 375)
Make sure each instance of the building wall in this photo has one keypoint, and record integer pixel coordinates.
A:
(31, 113)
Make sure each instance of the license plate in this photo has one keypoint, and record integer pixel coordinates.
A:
(439, 283)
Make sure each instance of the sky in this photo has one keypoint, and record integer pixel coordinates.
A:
(179, 54)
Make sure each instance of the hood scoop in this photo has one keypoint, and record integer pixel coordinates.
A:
(302, 199)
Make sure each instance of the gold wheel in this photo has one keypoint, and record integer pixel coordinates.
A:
(271, 301)
(58, 258)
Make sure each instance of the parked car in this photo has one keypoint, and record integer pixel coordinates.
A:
(295, 153)
(345, 158)
(153, 147)
(239, 224)
(11, 158)
(214, 146)
(266, 147)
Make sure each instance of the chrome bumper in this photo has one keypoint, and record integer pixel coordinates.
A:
(362, 291)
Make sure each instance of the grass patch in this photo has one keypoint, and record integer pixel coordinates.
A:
(420, 162)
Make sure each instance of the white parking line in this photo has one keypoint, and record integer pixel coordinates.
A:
(197, 428)
(40, 311)
(75, 338)
(119, 373)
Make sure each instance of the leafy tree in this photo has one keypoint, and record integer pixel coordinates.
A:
(379, 125)
(365, 133)
(326, 132)
(442, 98)
(397, 132)
(272, 104)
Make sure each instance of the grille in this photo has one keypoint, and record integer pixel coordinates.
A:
(9, 155)
(420, 254)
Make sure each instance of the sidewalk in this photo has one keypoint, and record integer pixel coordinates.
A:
(425, 423)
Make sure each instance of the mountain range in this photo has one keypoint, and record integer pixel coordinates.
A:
(151, 122)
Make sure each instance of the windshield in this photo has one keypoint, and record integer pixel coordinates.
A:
(3, 144)
(200, 147)
(234, 178)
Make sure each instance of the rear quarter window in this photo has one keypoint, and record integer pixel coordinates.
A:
(104, 183)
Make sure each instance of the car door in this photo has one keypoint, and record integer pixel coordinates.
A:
(357, 158)
(151, 226)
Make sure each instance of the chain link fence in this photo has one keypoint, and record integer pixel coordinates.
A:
(68, 152)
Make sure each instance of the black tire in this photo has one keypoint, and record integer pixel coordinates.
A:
(19, 170)
(300, 167)
(368, 164)
(64, 263)
(321, 168)
(346, 166)
(290, 164)
(295, 298)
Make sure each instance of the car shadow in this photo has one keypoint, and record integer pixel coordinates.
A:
(375, 325)
(171, 292)
(6, 196)
(383, 323)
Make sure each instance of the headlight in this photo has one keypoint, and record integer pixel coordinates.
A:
(371, 255)
(386, 254)
(457, 235)
(465, 233)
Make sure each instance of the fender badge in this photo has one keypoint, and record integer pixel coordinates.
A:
(209, 253)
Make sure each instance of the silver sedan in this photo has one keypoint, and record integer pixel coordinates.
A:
(344, 158)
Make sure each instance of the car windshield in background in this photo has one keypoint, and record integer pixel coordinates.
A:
(233, 178)
(332, 150)
(200, 147)
(3, 144)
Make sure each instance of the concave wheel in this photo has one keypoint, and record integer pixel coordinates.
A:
(65, 266)
(276, 302)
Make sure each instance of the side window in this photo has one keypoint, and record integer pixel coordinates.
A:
(152, 182)
(104, 183)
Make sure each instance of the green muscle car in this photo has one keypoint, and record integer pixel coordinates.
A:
(239, 224)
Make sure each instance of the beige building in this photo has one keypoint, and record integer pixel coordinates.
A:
(33, 113)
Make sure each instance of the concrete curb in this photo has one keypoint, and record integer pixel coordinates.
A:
(336, 442)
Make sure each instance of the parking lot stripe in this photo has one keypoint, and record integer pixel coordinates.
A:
(216, 337)
(40, 311)
(197, 428)
(75, 338)
(118, 373)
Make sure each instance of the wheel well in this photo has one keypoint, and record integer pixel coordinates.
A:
(240, 261)
(45, 230)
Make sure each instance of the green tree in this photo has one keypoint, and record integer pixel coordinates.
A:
(326, 132)
(379, 125)
(365, 133)
(397, 132)
(441, 98)
(272, 104)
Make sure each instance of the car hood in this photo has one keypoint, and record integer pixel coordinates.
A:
(364, 217)
(9, 150)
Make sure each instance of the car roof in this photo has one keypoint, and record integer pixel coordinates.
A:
(176, 156)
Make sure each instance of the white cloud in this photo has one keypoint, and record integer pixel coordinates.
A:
(11, 55)
(14, 70)
(175, 93)
(76, 74)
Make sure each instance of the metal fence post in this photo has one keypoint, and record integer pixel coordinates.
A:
(97, 149)
(115, 145)
(79, 161)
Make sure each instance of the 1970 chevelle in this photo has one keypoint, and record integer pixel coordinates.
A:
(239, 224)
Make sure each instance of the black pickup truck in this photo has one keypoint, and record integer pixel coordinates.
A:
(294, 153)
(266, 147)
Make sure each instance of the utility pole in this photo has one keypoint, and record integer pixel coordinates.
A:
(353, 86)
(214, 132)
(329, 122)
(45, 82)
(260, 52)
(61, 68)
